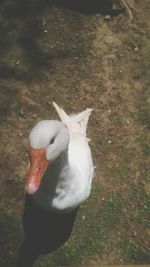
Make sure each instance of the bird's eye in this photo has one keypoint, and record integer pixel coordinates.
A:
(52, 141)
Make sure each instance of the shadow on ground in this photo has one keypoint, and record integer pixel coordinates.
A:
(20, 22)
(44, 232)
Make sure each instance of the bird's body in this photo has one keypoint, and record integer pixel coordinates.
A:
(67, 182)
(59, 179)
(68, 177)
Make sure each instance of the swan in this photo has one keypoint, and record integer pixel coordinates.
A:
(61, 168)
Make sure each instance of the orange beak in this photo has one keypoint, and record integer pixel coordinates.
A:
(38, 166)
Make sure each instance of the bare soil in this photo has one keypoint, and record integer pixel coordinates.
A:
(80, 55)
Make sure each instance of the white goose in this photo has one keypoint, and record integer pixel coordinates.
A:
(61, 167)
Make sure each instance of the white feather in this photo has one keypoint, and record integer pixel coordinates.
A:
(68, 180)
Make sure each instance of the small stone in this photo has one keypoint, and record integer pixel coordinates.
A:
(107, 17)
(20, 134)
(136, 49)
(147, 188)
(109, 141)
(17, 62)
(148, 100)
(76, 58)
(44, 22)
(22, 113)
(134, 233)
(34, 115)
(127, 121)
(45, 30)
(10, 252)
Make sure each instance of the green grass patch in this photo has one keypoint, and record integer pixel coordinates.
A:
(141, 208)
(121, 170)
(144, 213)
(116, 118)
(10, 233)
(144, 101)
(144, 141)
(95, 221)
(133, 251)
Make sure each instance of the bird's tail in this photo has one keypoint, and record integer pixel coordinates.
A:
(74, 122)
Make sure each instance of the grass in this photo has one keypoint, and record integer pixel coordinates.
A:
(134, 252)
(144, 103)
(95, 222)
(144, 142)
(10, 231)
(38, 67)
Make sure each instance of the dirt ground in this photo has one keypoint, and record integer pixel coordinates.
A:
(80, 55)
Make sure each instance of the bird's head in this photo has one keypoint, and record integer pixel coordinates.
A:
(48, 139)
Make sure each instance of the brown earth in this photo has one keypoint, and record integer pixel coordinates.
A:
(80, 58)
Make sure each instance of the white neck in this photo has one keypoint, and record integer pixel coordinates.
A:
(56, 173)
